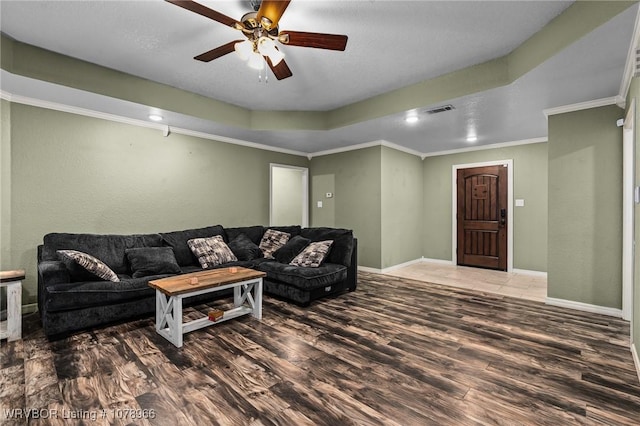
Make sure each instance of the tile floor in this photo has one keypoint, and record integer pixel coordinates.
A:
(528, 287)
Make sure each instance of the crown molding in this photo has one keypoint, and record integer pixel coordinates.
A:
(614, 100)
(485, 147)
(140, 123)
(187, 132)
(366, 145)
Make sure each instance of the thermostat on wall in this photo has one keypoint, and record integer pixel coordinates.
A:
(329, 194)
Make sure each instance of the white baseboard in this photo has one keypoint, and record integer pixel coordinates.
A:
(371, 270)
(30, 308)
(529, 272)
(636, 359)
(390, 268)
(401, 265)
(440, 261)
(594, 309)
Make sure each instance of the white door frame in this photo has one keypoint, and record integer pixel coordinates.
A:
(305, 192)
(454, 207)
(628, 206)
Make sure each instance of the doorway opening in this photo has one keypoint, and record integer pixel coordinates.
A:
(289, 195)
(482, 217)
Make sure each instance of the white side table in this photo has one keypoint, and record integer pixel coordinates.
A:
(11, 329)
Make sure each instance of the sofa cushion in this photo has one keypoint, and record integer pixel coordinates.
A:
(313, 255)
(244, 248)
(147, 261)
(211, 251)
(272, 240)
(83, 294)
(304, 278)
(91, 264)
(108, 248)
(178, 241)
(253, 232)
(294, 246)
(342, 246)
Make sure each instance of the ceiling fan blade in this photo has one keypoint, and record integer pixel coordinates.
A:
(281, 71)
(317, 40)
(217, 52)
(272, 10)
(209, 13)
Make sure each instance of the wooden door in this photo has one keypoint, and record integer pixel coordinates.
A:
(482, 217)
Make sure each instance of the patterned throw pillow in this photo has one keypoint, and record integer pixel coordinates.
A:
(90, 263)
(313, 255)
(211, 251)
(272, 240)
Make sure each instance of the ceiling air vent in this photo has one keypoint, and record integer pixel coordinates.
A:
(439, 109)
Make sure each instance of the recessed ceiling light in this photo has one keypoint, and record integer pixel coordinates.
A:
(472, 138)
(411, 119)
(155, 117)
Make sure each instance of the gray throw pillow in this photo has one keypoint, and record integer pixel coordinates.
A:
(294, 246)
(245, 249)
(211, 251)
(313, 255)
(147, 261)
(90, 263)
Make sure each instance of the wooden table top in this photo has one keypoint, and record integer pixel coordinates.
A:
(9, 276)
(200, 280)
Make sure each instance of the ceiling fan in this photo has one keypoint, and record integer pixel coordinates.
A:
(261, 31)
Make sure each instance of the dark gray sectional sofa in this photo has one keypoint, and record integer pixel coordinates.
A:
(70, 299)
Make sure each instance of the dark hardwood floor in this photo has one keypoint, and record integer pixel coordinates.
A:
(395, 352)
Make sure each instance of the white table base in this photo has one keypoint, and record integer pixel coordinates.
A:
(11, 329)
(169, 322)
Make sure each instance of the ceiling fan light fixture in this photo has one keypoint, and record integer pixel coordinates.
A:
(276, 57)
(256, 61)
(244, 49)
(267, 47)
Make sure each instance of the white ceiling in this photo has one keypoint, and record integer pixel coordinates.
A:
(391, 44)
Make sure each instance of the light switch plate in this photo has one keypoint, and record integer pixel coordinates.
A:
(319, 204)
(520, 203)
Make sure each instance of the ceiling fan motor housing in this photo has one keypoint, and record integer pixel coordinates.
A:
(253, 29)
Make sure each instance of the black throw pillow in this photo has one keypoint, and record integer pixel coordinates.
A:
(244, 248)
(146, 261)
(291, 249)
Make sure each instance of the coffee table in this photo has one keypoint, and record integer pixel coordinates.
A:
(11, 329)
(171, 291)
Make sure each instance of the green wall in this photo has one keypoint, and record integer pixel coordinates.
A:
(634, 93)
(71, 173)
(529, 183)
(401, 210)
(5, 185)
(585, 207)
(354, 179)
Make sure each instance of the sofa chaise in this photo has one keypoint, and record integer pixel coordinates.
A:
(72, 299)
